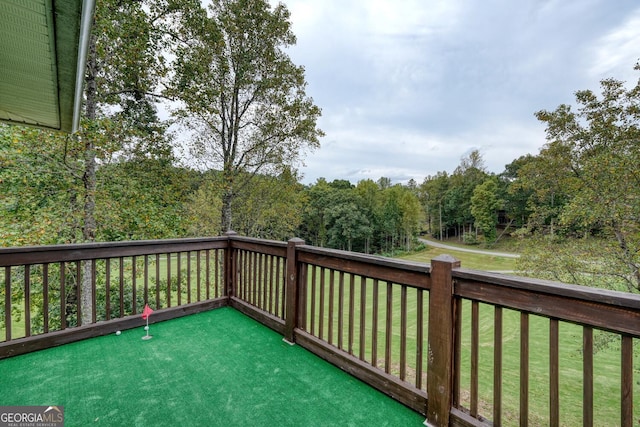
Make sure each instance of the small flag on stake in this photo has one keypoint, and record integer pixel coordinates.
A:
(146, 312)
(145, 316)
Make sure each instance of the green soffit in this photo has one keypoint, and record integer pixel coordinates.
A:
(43, 47)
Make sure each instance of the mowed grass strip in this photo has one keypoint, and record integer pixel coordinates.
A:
(467, 259)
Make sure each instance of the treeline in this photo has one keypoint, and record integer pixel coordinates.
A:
(370, 217)
(150, 196)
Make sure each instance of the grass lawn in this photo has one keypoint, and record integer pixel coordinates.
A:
(218, 368)
(467, 259)
(606, 360)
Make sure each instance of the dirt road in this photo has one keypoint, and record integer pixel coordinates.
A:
(475, 251)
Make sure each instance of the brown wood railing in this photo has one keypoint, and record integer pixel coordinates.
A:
(258, 279)
(463, 347)
(579, 323)
(42, 291)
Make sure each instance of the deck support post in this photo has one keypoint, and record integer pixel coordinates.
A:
(229, 265)
(441, 341)
(292, 306)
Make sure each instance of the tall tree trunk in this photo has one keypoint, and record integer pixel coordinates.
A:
(89, 182)
(227, 200)
(440, 225)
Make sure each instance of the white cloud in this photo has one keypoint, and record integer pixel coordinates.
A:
(408, 87)
(617, 51)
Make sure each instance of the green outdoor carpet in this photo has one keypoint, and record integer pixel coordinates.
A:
(218, 368)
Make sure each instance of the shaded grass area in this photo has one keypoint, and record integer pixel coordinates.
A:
(214, 368)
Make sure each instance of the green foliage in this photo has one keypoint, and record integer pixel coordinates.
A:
(202, 210)
(549, 181)
(484, 207)
(271, 207)
(597, 150)
(515, 195)
(447, 198)
(371, 217)
(587, 261)
(39, 203)
(432, 194)
(470, 238)
(128, 65)
(241, 95)
(142, 199)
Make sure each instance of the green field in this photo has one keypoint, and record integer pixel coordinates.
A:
(467, 259)
(606, 368)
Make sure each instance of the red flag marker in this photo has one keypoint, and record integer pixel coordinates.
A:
(146, 312)
(145, 316)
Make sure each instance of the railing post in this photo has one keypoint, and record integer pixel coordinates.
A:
(229, 265)
(441, 339)
(292, 308)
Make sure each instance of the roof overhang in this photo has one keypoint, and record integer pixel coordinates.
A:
(43, 52)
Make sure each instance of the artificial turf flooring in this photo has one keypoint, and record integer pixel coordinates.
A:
(218, 368)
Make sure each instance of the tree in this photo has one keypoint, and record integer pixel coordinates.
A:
(37, 191)
(347, 223)
(388, 219)
(125, 69)
(549, 181)
(368, 193)
(457, 203)
(313, 228)
(599, 145)
(516, 197)
(241, 96)
(271, 207)
(384, 182)
(202, 210)
(143, 198)
(412, 216)
(333, 216)
(433, 191)
(484, 208)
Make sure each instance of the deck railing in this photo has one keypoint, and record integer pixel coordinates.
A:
(43, 292)
(463, 347)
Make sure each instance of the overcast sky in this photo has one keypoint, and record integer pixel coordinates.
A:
(408, 87)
